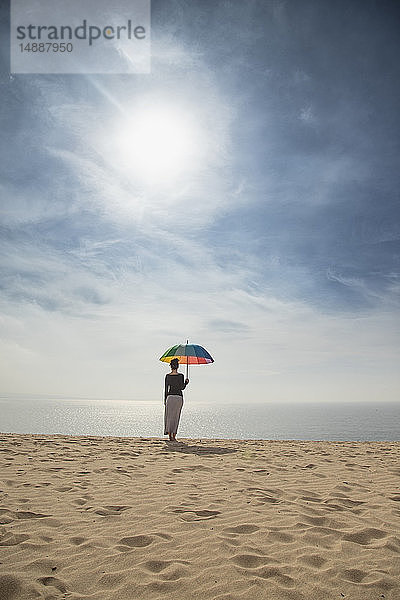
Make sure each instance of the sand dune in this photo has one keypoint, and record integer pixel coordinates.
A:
(132, 519)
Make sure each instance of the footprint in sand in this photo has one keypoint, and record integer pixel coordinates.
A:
(11, 482)
(77, 540)
(354, 575)
(111, 580)
(155, 566)
(12, 539)
(317, 521)
(6, 516)
(249, 561)
(167, 569)
(29, 515)
(46, 538)
(163, 536)
(281, 536)
(274, 572)
(310, 498)
(79, 501)
(245, 528)
(192, 468)
(259, 568)
(365, 536)
(312, 560)
(107, 511)
(188, 514)
(343, 504)
(265, 496)
(136, 541)
(175, 573)
(261, 499)
(10, 587)
(54, 582)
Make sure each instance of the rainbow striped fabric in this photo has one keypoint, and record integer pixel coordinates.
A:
(188, 354)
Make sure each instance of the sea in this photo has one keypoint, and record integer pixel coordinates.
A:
(123, 418)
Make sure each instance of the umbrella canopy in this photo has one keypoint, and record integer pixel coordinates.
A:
(188, 354)
(191, 354)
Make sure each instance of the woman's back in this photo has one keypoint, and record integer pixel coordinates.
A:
(174, 384)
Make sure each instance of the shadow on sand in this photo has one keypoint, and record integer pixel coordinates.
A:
(195, 449)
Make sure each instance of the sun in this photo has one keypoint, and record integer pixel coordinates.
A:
(158, 144)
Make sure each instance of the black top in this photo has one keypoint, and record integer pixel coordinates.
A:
(174, 384)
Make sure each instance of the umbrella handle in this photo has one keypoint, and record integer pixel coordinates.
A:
(187, 364)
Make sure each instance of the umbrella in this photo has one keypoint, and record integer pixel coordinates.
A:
(188, 354)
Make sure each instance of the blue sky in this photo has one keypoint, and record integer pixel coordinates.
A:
(275, 244)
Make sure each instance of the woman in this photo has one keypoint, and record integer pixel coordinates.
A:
(173, 399)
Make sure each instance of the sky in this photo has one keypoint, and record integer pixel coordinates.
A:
(244, 196)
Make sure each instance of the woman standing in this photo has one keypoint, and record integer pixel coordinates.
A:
(173, 399)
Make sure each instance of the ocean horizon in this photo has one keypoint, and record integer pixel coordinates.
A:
(342, 421)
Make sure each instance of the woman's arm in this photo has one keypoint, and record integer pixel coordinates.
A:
(166, 386)
(184, 382)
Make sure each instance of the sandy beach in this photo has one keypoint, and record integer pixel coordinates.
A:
(139, 518)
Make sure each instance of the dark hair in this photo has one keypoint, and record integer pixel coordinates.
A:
(174, 363)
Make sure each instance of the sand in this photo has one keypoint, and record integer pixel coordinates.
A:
(130, 519)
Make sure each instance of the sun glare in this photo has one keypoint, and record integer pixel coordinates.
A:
(158, 145)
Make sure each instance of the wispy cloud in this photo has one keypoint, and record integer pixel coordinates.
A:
(277, 249)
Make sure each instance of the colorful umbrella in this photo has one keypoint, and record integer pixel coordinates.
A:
(188, 354)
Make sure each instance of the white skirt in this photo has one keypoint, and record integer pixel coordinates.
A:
(172, 414)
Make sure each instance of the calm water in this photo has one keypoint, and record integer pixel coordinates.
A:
(253, 421)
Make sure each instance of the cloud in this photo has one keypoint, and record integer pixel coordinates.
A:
(278, 251)
(226, 326)
(307, 115)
